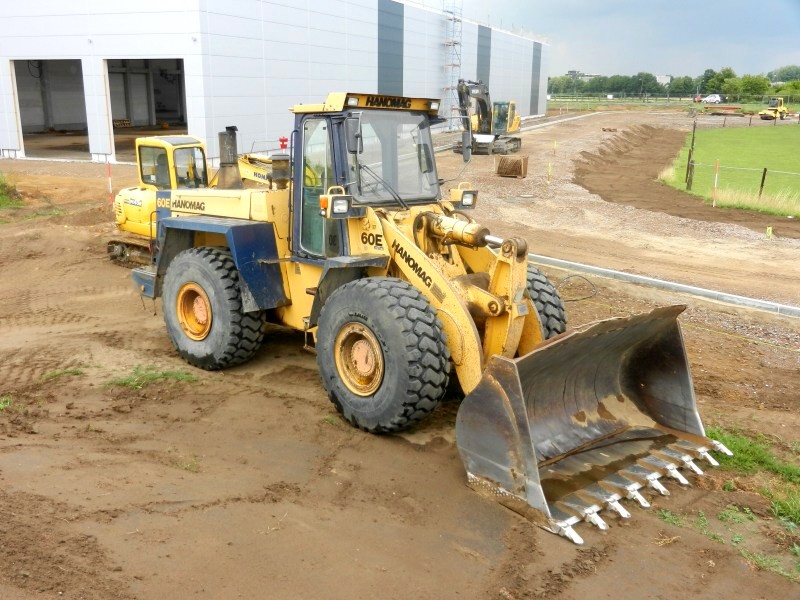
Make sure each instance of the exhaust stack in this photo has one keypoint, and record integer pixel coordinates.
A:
(229, 177)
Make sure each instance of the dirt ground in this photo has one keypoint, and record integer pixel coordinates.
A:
(245, 483)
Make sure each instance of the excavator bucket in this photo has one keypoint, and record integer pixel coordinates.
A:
(584, 421)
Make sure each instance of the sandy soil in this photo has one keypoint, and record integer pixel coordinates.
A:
(246, 484)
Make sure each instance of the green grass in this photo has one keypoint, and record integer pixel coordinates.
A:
(5, 402)
(754, 148)
(47, 212)
(670, 518)
(9, 197)
(732, 514)
(786, 505)
(765, 562)
(751, 455)
(143, 376)
(59, 373)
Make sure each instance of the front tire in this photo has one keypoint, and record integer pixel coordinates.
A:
(203, 310)
(382, 354)
(547, 301)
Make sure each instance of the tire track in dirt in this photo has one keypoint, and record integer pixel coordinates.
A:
(42, 556)
(22, 368)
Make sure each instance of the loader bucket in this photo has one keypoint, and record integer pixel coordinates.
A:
(585, 420)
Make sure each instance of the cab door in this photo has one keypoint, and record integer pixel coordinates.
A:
(315, 172)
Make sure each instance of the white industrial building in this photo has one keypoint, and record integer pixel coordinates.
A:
(201, 65)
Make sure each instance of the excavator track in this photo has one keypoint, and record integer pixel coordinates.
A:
(502, 145)
(130, 253)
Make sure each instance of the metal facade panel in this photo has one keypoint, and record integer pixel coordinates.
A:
(484, 54)
(536, 76)
(390, 47)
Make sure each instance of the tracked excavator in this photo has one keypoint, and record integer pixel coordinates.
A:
(398, 291)
(178, 163)
(489, 123)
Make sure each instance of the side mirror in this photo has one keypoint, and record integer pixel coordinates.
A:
(352, 130)
(424, 158)
(466, 145)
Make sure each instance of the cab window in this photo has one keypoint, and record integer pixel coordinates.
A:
(318, 236)
(154, 167)
(190, 168)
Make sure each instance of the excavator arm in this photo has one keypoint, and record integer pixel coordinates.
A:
(478, 91)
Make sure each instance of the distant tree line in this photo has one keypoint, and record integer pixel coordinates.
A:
(785, 80)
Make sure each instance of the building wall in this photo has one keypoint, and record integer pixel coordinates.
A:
(247, 61)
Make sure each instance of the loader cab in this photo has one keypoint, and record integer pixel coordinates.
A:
(377, 149)
(171, 163)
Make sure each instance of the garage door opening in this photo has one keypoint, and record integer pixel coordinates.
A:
(52, 108)
(148, 97)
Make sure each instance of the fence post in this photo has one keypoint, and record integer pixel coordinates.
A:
(751, 121)
(763, 178)
(689, 176)
(716, 180)
(688, 163)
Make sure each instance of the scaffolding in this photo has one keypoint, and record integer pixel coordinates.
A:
(452, 10)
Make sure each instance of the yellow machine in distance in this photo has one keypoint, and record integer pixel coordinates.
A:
(775, 110)
(489, 122)
(400, 291)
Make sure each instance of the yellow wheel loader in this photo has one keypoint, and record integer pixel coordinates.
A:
(399, 290)
(489, 124)
(775, 110)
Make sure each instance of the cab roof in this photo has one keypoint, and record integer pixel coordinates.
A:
(341, 101)
(169, 140)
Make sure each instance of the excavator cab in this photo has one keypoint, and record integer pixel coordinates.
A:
(171, 163)
(506, 118)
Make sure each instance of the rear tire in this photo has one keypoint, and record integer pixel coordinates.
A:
(382, 354)
(547, 302)
(203, 310)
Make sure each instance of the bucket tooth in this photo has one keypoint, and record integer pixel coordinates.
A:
(666, 467)
(627, 488)
(673, 453)
(610, 499)
(647, 475)
(585, 510)
(720, 447)
(618, 508)
(697, 451)
(711, 460)
(561, 523)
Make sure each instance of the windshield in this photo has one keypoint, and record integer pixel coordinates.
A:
(395, 163)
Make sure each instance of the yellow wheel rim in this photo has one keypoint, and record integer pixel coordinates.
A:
(359, 359)
(194, 311)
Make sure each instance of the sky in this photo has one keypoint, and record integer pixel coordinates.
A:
(662, 37)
